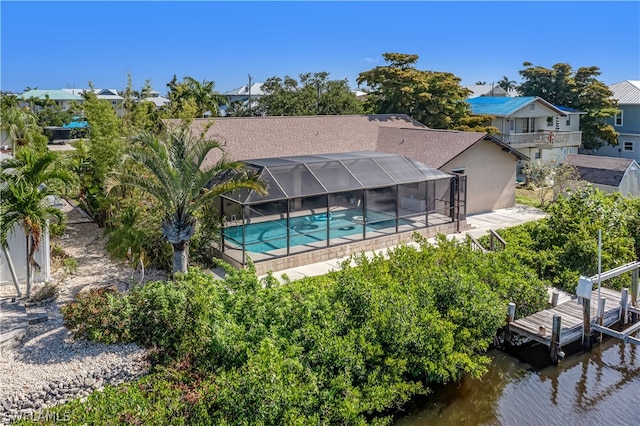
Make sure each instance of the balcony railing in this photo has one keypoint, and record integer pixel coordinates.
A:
(553, 139)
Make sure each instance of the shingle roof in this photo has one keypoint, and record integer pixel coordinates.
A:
(434, 148)
(55, 95)
(251, 137)
(245, 138)
(626, 92)
(505, 106)
(598, 169)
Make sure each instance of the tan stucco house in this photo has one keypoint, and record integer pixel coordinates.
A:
(490, 165)
(341, 184)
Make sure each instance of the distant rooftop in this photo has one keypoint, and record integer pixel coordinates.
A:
(626, 92)
(505, 106)
(598, 169)
(486, 90)
(256, 89)
(55, 95)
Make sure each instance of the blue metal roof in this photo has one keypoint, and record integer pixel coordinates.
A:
(499, 106)
(565, 109)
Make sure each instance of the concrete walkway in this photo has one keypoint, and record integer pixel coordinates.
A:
(479, 225)
(15, 321)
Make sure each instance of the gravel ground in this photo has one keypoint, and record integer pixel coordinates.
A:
(49, 366)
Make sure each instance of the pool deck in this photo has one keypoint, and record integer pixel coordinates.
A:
(479, 225)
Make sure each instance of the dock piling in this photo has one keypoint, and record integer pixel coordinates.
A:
(624, 299)
(554, 347)
(634, 294)
(601, 304)
(554, 298)
(586, 323)
(511, 314)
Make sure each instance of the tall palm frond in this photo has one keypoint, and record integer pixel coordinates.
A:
(174, 169)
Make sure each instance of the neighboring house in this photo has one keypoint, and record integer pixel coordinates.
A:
(532, 125)
(491, 90)
(489, 164)
(110, 95)
(62, 98)
(243, 93)
(608, 174)
(627, 122)
(155, 98)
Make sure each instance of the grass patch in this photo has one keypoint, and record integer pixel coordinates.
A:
(531, 197)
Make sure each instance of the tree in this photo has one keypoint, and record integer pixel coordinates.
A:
(25, 182)
(191, 98)
(481, 83)
(22, 128)
(239, 109)
(93, 161)
(580, 90)
(434, 98)
(139, 114)
(551, 177)
(172, 169)
(506, 84)
(314, 94)
(53, 115)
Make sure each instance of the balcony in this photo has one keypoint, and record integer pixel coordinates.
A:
(543, 140)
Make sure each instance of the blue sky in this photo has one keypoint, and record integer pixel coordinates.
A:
(53, 45)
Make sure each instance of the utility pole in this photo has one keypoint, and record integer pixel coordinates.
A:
(249, 91)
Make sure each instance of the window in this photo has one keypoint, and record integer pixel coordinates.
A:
(617, 120)
(536, 154)
(512, 126)
(549, 121)
(568, 120)
(532, 107)
(627, 145)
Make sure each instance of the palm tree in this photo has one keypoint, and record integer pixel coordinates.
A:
(172, 168)
(26, 182)
(506, 84)
(205, 96)
(21, 125)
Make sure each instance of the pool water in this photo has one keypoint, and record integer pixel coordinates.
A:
(266, 236)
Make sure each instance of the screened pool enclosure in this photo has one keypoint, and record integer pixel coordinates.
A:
(320, 201)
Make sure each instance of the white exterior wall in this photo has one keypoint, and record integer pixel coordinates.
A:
(18, 253)
(630, 184)
(574, 125)
(4, 137)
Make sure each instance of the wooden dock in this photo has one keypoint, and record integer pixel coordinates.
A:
(539, 325)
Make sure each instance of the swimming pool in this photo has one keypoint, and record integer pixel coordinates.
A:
(263, 237)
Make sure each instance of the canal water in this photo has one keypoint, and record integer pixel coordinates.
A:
(600, 387)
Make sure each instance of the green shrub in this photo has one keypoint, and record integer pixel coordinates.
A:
(101, 315)
(175, 317)
(156, 399)
(70, 265)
